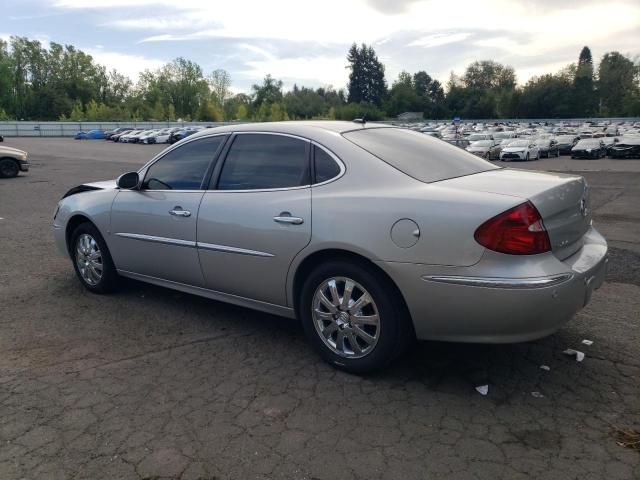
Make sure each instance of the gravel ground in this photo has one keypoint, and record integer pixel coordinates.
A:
(149, 383)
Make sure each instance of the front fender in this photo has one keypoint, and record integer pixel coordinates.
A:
(95, 205)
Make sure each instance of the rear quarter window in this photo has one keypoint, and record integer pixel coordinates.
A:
(418, 155)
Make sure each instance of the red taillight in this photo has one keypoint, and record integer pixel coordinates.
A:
(518, 231)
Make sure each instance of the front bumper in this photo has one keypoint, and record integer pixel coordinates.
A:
(584, 154)
(24, 165)
(512, 156)
(482, 304)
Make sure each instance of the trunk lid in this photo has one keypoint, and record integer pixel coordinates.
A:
(561, 199)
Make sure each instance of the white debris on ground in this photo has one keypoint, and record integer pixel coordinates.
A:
(575, 353)
(537, 395)
(586, 342)
(482, 389)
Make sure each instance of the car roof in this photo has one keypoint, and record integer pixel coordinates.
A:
(306, 128)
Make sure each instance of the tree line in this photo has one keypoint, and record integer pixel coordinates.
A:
(61, 82)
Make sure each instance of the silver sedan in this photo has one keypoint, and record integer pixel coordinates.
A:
(372, 236)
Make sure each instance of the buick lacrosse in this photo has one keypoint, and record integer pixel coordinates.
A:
(371, 235)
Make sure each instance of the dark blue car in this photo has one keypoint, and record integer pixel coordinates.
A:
(90, 135)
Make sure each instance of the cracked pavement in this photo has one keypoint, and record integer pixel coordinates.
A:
(149, 383)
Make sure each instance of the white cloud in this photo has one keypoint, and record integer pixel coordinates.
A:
(309, 71)
(438, 39)
(507, 31)
(129, 65)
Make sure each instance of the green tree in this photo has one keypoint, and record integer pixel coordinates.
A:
(617, 84)
(584, 97)
(269, 92)
(77, 112)
(366, 77)
(220, 82)
(403, 96)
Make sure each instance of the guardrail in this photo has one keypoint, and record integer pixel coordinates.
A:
(69, 129)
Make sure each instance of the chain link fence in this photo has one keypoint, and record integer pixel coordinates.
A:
(69, 129)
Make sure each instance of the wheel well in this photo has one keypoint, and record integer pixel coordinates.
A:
(14, 160)
(316, 258)
(72, 224)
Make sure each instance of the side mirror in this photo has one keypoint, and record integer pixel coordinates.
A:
(128, 181)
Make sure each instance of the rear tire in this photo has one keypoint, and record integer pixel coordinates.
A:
(92, 260)
(9, 168)
(353, 316)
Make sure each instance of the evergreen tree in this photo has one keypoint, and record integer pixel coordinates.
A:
(584, 96)
(366, 79)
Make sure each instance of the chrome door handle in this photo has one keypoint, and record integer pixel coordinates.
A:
(179, 212)
(285, 217)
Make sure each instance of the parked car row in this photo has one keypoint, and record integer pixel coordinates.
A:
(519, 141)
(137, 135)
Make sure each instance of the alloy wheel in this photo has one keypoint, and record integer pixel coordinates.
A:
(346, 317)
(89, 259)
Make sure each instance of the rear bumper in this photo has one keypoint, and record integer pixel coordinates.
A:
(475, 304)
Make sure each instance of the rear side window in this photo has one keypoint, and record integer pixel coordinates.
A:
(184, 167)
(326, 167)
(258, 161)
(418, 155)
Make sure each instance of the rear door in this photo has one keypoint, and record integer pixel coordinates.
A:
(256, 216)
(154, 227)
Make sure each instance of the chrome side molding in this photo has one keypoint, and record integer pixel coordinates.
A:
(191, 244)
(154, 239)
(496, 282)
(227, 249)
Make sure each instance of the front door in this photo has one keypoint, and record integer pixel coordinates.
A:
(153, 228)
(256, 216)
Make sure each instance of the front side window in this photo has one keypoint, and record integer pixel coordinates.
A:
(259, 161)
(184, 167)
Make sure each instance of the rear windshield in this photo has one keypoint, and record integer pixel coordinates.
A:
(422, 157)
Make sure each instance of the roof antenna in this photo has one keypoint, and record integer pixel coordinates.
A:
(362, 120)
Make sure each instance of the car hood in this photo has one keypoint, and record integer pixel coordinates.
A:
(477, 149)
(88, 187)
(102, 185)
(513, 149)
(11, 151)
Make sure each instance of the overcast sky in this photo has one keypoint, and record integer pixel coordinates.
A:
(306, 41)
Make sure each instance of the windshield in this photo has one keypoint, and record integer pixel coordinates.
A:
(565, 139)
(420, 156)
(482, 143)
(519, 143)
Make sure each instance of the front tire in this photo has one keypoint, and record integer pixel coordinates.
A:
(353, 316)
(92, 260)
(9, 168)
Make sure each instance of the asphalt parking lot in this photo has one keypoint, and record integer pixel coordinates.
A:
(149, 383)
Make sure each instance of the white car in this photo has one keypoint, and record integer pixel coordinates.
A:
(146, 135)
(136, 138)
(128, 136)
(521, 149)
(163, 135)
